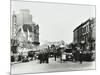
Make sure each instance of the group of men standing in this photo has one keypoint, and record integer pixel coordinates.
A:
(44, 57)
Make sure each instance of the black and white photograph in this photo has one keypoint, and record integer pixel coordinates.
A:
(52, 37)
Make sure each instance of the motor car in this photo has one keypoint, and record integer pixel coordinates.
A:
(88, 55)
(31, 55)
(36, 56)
(51, 54)
(69, 54)
(25, 59)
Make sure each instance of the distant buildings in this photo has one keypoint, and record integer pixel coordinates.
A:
(24, 29)
(86, 32)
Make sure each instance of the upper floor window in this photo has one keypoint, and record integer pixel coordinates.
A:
(27, 27)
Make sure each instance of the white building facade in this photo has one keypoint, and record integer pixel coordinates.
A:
(24, 29)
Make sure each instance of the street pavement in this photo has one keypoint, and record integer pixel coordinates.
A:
(53, 66)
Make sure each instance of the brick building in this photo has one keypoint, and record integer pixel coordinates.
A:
(85, 32)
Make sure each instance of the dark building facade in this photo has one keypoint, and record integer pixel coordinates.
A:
(85, 33)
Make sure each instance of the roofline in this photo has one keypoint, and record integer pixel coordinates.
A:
(81, 24)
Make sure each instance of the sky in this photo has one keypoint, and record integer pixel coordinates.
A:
(56, 20)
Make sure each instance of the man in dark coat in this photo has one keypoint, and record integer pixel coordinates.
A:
(81, 57)
(41, 58)
(47, 57)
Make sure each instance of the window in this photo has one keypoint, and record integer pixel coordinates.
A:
(27, 27)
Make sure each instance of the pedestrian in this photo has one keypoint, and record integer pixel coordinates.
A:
(40, 57)
(55, 54)
(77, 56)
(43, 57)
(81, 57)
(64, 56)
(61, 56)
(19, 58)
(47, 57)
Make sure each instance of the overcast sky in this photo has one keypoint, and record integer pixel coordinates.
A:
(56, 21)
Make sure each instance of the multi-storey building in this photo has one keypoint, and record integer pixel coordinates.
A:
(85, 32)
(24, 29)
(93, 32)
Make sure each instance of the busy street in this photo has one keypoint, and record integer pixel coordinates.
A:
(42, 41)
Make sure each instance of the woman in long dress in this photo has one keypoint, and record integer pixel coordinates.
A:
(63, 57)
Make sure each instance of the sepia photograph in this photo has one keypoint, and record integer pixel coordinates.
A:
(52, 37)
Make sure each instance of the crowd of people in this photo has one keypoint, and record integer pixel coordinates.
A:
(43, 57)
(60, 53)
